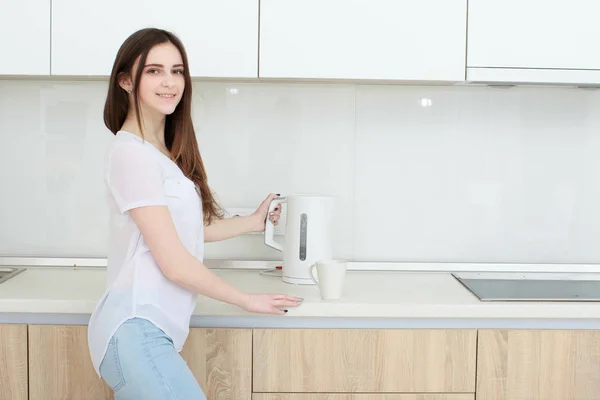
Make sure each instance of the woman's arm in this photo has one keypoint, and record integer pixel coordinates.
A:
(221, 229)
(179, 266)
(137, 187)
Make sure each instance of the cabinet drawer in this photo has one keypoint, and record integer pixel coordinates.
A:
(220, 359)
(13, 362)
(60, 366)
(345, 396)
(364, 360)
(538, 364)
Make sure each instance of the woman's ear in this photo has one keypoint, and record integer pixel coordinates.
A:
(125, 82)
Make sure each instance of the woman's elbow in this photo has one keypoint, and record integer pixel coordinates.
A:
(172, 267)
(159, 232)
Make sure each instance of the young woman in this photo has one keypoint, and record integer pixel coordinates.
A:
(161, 213)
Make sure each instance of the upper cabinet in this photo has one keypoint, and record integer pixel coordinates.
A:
(533, 41)
(489, 41)
(363, 39)
(220, 37)
(25, 37)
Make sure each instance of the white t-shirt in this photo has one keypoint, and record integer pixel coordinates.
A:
(137, 175)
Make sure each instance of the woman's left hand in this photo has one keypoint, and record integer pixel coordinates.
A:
(260, 215)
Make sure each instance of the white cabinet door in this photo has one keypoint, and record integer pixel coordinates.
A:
(541, 35)
(220, 37)
(25, 37)
(363, 39)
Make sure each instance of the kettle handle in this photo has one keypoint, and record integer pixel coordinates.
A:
(270, 228)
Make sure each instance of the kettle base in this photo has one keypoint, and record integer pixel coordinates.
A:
(298, 281)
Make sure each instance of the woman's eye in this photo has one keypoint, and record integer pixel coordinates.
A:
(179, 71)
(152, 71)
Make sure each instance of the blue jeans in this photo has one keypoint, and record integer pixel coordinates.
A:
(142, 363)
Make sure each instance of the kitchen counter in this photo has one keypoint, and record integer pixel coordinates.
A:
(372, 299)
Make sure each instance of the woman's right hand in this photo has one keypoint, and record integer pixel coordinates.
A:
(270, 303)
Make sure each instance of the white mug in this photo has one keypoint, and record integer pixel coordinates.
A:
(331, 275)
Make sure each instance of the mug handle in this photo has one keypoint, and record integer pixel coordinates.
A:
(314, 276)
(270, 228)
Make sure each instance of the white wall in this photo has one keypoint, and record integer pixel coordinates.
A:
(481, 174)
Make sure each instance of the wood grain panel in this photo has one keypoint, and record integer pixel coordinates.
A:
(221, 360)
(339, 396)
(364, 360)
(538, 365)
(13, 362)
(60, 367)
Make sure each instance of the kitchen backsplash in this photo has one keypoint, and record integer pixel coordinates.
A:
(420, 173)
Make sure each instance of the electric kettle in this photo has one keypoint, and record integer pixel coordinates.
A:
(307, 235)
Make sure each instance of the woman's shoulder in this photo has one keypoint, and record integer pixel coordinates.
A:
(125, 143)
(126, 138)
(125, 149)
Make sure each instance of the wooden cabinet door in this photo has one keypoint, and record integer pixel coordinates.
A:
(60, 367)
(13, 362)
(364, 360)
(221, 360)
(538, 365)
(25, 37)
(409, 40)
(340, 396)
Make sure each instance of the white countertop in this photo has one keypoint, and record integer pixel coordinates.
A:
(371, 299)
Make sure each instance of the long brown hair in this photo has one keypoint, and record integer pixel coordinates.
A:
(180, 137)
